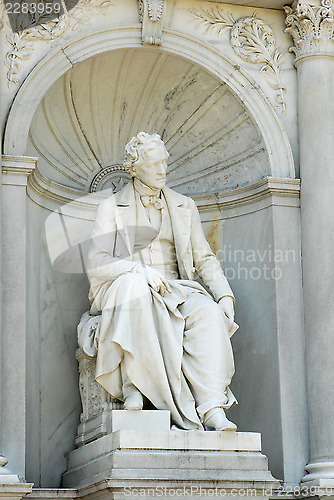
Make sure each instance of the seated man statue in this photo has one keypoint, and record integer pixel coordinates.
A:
(162, 335)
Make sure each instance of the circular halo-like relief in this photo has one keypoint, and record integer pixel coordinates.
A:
(114, 178)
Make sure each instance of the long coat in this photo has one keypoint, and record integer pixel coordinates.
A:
(113, 242)
(149, 334)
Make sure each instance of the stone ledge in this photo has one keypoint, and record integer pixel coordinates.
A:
(52, 494)
(14, 490)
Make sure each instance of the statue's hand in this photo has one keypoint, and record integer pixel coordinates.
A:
(155, 279)
(226, 304)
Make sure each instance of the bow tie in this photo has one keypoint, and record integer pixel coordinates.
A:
(151, 200)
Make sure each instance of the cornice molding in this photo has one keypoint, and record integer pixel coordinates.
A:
(267, 192)
(17, 169)
(19, 165)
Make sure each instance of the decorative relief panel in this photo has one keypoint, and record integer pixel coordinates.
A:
(21, 43)
(97, 404)
(311, 27)
(114, 178)
(252, 40)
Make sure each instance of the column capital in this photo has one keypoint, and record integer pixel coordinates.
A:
(311, 25)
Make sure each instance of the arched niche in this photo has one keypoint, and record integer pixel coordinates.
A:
(80, 127)
(75, 112)
(90, 95)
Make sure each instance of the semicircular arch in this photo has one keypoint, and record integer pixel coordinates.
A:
(70, 53)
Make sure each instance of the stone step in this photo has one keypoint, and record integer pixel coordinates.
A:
(161, 457)
(188, 460)
(155, 462)
(165, 440)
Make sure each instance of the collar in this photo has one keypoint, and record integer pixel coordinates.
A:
(144, 190)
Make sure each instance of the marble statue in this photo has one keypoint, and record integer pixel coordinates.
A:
(162, 335)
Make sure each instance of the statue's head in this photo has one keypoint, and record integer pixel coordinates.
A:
(146, 158)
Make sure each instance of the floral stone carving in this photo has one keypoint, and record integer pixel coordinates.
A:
(311, 27)
(21, 42)
(151, 13)
(252, 40)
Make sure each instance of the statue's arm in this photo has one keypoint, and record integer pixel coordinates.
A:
(103, 264)
(205, 262)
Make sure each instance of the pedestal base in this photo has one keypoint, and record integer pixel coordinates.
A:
(10, 485)
(318, 480)
(178, 463)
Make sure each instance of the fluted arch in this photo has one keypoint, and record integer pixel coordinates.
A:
(260, 142)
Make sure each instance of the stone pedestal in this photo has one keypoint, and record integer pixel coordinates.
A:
(182, 463)
(10, 485)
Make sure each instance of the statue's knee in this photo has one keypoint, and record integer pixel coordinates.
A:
(214, 311)
(133, 280)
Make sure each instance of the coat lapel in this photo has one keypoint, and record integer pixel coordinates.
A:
(126, 215)
(180, 217)
(181, 223)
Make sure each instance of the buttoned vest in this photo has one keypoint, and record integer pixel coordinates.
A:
(152, 248)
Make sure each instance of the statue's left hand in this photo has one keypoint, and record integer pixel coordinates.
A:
(154, 278)
(226, 304)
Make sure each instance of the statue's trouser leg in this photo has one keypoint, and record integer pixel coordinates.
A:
(132, 396)
(208, 358)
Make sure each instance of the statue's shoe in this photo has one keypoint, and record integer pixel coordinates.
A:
(134, 401)
(217, 421)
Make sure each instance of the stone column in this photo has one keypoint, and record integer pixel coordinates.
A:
(311, 26)
(15, 171)
(10, 485)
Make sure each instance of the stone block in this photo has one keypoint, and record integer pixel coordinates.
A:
(145, 420)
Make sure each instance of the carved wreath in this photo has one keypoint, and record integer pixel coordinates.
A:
(252, 40)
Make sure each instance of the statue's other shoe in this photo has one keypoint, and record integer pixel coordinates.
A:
(216, 420)
(134, 401)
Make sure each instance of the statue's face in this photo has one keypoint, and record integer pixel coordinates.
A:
(152, 171)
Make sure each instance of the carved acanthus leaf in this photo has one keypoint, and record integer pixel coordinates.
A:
(252, 40)
(155, 9)
(213, 19)
(21, 43)
(151, 14)
(21, 49)
(311, 27)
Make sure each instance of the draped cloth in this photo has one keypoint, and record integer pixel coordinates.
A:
(176, 347)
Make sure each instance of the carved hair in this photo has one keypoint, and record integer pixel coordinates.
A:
(136, 148)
